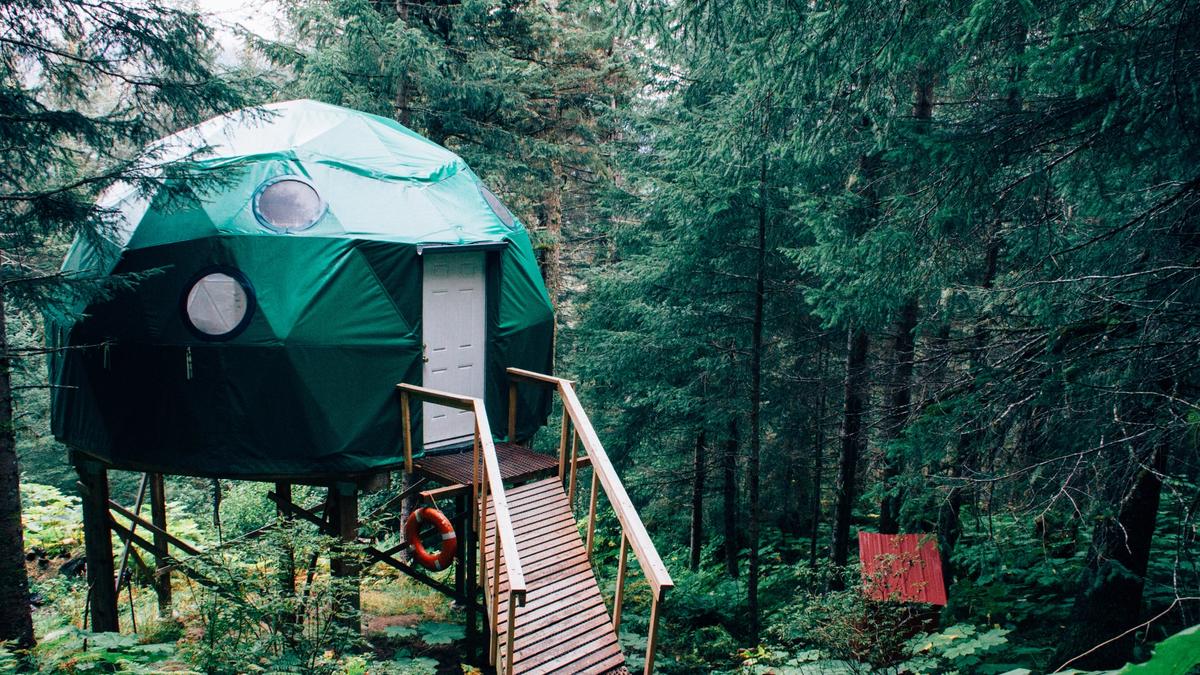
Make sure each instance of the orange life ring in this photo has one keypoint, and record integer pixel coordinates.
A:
(412, 534)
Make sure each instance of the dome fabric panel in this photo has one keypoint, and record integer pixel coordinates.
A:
(305, 388)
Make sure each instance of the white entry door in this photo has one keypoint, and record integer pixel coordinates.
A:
(453, 319)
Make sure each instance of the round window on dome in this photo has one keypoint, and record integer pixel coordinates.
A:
(218, 304)
(288, 204)
(498, 208)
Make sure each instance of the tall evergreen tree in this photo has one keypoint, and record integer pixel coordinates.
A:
(83, 85)
(523, 89)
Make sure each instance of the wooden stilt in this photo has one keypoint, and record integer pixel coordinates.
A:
(287, 557)
(459, 569)
(343, 499)
(93, 488)
(162, 572)
(466, 564)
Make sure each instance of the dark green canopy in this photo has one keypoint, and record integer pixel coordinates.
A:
(279, 300)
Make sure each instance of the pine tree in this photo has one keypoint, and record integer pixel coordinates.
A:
(523, 90)
(85, 85)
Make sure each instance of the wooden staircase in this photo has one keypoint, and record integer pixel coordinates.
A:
(564, 626)
(544, 610)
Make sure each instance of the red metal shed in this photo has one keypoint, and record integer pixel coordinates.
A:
(902, 567)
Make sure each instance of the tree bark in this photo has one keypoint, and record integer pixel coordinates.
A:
(729, 469)
(756, 358)
(552, 222)
(16, 621)
(697, 534)
(949, 527)
(897, 406)
(898, 394)
(1110, 597)
(852, 442)
(818, 473)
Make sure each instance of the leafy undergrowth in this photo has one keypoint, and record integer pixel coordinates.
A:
(241, 621)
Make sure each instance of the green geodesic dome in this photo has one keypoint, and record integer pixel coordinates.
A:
(315, 304)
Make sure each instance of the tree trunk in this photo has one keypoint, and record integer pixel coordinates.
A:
(756, 354)
(949, 527)
(404, 89)
(697, 538)
(852, 441)
(552, 212)
(16, 622)
(818, 461)
(898, 394)
(897, 404)
(1110, 597)
(729, 468)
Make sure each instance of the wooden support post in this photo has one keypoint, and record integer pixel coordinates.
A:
(286, 572)
(591, 528)
(343, 500)
(494, 610)
(162, 572)
(407, 421)
(620, 592)
(574, 469)
(464, 572)
(470, 561)
(484, 497)
(287, 557)
(459, 581)
(97, 536)
(562, 445)
(652, 635)
(512, 411)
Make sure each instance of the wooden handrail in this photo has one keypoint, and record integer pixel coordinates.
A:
(633, 532)
(489, 484)
(647, 555)
(508, 540)
(639, 539)
(439, 397)
(531, 376)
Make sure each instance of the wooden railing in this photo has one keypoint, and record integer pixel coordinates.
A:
(577, 429)
(487, 484)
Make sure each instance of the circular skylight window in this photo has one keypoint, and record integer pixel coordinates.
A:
(498, 208)
(288, 204)
(218, 304)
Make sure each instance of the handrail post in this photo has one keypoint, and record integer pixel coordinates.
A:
(512, 629)
(562, 444)
(408, 459)
(512, 411)
(495, 608)
(591, 530)
(483, 533)
(574, 468)
(475, 482)
(620, 592)
(633, 532)
(652, 635)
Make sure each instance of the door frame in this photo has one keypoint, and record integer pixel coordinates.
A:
(491, 285)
